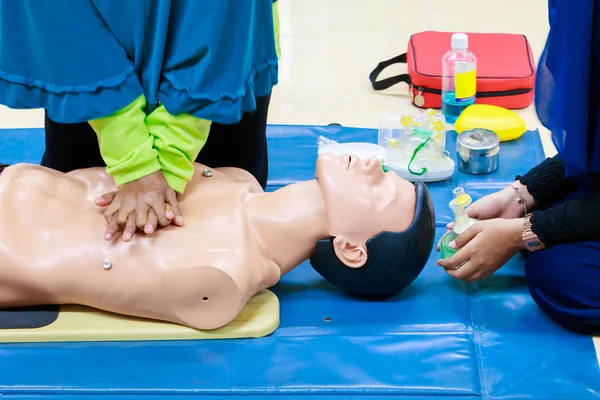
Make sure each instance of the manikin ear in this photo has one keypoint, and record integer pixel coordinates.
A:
(353, 255)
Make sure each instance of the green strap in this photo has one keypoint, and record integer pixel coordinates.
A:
(419, 147)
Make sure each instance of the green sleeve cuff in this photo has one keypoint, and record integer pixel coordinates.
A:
(176, 182)
(277, 32)
(125, 143)
(178, 141)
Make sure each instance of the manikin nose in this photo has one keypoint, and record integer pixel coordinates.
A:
(371, 165)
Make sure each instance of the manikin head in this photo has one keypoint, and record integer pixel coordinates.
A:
(382, 227)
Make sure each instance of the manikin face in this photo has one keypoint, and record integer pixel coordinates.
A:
(361, 201)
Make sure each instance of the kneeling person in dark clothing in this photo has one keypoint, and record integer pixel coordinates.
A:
(552, 213)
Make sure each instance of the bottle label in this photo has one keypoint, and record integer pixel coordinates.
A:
(465, 84)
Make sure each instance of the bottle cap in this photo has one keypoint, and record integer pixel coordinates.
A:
(460, 41)
(461, 198)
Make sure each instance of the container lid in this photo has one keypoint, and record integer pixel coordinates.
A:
(478, 139)
(460, 41)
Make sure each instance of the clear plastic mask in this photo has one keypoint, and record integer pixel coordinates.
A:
(393, 129)
(418, 153)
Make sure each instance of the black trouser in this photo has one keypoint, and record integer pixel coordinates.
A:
(243, 145)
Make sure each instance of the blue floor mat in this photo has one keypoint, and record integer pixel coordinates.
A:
(438, 338)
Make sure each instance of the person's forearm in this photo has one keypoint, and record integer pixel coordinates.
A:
(546, 183)
(178, 141)
(125, 143)
(572, 221)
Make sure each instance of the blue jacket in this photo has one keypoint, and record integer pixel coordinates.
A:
(85, 59)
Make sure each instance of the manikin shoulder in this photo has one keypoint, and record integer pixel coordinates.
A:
(90, 182)
(19, 169)
(87, 176)
(32, 174)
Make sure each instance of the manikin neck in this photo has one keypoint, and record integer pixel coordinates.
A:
(289, 222)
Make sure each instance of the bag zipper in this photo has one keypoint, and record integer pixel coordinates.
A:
(513, 92)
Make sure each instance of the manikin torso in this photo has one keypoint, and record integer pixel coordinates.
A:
(199, 275)
(236, 241)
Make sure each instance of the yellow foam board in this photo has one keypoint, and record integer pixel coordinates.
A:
(260, 317)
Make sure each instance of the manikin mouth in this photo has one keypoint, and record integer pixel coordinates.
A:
(349, 163)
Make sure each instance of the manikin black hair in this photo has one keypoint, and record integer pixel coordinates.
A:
(395, 259)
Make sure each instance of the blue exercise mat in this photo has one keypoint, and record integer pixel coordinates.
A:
(438, 338)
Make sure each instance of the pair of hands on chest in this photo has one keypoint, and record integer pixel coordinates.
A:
(144, 204)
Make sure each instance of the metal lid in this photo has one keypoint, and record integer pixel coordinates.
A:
(479, 139)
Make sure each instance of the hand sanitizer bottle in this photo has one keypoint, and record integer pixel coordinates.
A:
(462, 222)
(459, 78)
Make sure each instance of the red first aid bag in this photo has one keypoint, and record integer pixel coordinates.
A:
(505, 69)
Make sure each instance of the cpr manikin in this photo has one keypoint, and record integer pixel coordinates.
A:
(237, 240)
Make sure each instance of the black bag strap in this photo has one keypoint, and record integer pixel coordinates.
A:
(391, 81)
